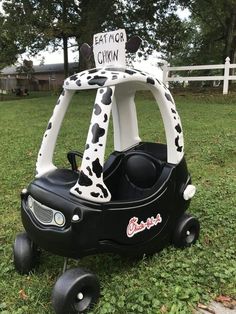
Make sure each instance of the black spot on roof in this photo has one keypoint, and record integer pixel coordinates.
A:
(78, 190)
(105, 118)
(168, 97)
(104, 191)
(106, 98)
(84, 180)
(73, 77)
(179, 148)
(150, 81)
(94, 194)
(97, 109)
(49, 126)
(98, 80)
(131, 72)
(97, 168)
(89, 171)
(172, 110)
(115, 69)
(78, 82)
(178, 128)
(92, 71)
(97, 133)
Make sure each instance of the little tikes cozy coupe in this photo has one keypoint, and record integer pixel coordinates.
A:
(132, 204)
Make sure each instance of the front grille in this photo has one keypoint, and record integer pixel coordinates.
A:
(45, 215)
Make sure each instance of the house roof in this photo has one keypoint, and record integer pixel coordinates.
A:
(45, 68)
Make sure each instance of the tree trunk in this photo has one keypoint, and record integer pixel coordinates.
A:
(65, 52)
(65, 39)
(230, 35)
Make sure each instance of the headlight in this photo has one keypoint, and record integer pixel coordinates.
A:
(59, 219)
(30, 202)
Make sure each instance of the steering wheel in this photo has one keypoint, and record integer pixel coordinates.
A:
(71, 156)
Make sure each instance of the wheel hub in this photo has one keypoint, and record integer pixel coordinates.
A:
(80, 296)
(190, 235)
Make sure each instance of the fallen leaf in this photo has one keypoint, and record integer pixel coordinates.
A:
(163, 309)
(223, 298)
(226, 301)
(206, 308)
(207, 240)
(23, 295)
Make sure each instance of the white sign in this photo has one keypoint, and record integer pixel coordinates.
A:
(109, 48)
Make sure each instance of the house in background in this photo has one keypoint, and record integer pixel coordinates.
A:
(42, 77)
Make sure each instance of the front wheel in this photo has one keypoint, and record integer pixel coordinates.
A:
(186, 232)
(75, 291)
(25, 254)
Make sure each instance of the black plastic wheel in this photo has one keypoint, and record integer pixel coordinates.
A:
(25, 254)
(186, 232)
(76, 291)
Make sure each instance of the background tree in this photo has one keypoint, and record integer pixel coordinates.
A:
(40, 23)
(158, 24)
(207, 36)
(94, 18)
(214, 24)
(43, 23)
(8, 49)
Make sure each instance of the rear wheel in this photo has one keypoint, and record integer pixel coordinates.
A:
(25, 254)
(76, 291)
(186, 232)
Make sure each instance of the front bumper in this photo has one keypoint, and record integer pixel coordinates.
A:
(67, 240)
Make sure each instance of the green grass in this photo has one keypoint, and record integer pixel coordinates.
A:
(172, 281)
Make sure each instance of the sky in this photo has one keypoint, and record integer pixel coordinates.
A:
(51, 57)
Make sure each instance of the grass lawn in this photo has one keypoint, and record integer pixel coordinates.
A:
(172, 281)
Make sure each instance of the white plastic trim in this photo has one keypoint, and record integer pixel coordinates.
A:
(125, 124)
(45, 155)
(189, 192)
(90, 185)
(172, 125)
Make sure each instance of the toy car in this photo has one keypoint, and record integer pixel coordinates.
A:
(132, 204)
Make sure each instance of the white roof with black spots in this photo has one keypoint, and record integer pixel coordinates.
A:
(96, 78)
(116, 88)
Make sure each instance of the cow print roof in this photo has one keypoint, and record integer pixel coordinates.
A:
(95, 78)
